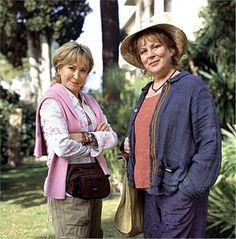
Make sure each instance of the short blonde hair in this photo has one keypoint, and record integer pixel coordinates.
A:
(70, 53)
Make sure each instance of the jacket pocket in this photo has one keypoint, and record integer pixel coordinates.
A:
(169, 166)
(169, 182)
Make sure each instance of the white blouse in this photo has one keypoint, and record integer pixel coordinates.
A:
(57, 136)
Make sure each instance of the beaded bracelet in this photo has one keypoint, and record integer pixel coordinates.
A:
(88, 138)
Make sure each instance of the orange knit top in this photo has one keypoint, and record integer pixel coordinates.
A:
(142, 142)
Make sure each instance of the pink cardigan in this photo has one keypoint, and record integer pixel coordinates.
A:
(55, 183)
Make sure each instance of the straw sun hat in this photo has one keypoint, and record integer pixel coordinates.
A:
(129, 51)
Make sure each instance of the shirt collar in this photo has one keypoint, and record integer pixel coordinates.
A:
(74, 99)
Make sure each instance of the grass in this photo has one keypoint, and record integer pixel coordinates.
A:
(23, 208)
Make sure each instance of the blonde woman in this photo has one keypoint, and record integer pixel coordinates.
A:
(72, 129)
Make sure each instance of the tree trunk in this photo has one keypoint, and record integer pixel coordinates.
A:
(14, 137)
(40, 64)
(45, 64)
(110, 34)
(33, 42)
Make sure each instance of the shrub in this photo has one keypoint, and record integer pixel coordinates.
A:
(221, 213)
(9, 101)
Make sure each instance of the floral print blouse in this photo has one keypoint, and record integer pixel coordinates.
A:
(58, 139)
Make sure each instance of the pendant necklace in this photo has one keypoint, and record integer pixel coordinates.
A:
(155, 90)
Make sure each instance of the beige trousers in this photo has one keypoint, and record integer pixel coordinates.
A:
(75, 218)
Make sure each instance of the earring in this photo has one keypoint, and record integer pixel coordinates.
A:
(144, 71)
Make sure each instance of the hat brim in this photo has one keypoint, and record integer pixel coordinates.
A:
(127, 51)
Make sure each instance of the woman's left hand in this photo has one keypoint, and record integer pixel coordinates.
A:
(77, 137)
(126, 145)
(102, 127)
(80, 137)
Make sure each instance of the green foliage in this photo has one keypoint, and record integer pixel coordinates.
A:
(115, 165)
(27, 129)
(215, 41)
(9, 101)
(8, 72)
(223, 92)
(228, 168)
(213, 55)
(222, 211)
(113, 83)
(13, 32)
(57, 20)
(117, 110)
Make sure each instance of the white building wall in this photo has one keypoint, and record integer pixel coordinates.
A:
(184, 14)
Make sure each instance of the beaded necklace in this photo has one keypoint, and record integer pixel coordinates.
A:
(155, 90)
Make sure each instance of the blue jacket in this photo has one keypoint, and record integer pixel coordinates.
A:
(185, 139)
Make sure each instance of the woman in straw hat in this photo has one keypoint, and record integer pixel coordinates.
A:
(174, 140)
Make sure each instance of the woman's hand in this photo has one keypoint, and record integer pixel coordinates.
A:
(77, 137)
(82, 137)
(102, 127)
(126, 145)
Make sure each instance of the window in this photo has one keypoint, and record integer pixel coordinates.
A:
(152, 8)
(167, 5)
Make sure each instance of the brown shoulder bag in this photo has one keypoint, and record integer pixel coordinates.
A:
(87, 181)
